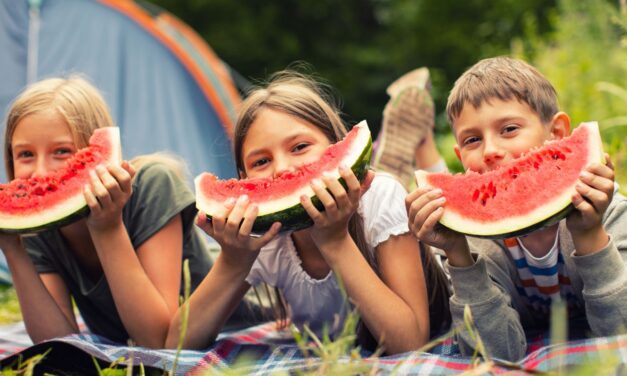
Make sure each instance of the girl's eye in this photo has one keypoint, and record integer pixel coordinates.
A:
(24, 154)
(471, 140)
(63, 151)
(300, 147)
(259, 162)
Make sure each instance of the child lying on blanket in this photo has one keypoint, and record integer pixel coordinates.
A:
(499, 109)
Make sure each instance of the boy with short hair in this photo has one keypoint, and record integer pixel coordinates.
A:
(499, 109)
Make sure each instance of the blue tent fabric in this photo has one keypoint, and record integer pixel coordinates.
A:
(154, 98)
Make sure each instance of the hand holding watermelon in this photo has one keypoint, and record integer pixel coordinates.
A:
(594, 192)
(425, 209)
(109, 189)
(232, 227)
(339, 205)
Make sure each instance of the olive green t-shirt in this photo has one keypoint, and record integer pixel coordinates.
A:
(158, 195)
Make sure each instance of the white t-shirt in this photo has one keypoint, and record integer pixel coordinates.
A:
(319, 301)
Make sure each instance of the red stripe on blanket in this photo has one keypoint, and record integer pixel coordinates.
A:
(577, 349)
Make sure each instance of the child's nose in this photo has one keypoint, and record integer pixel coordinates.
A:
(281, 166)
(41, 167)
(491, 151)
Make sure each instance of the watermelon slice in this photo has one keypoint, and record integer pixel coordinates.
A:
(44, 202)
(531, 192)
(278, 198)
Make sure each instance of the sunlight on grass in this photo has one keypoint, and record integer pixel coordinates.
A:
(9, 306)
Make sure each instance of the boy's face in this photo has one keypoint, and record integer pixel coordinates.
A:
(499, 131)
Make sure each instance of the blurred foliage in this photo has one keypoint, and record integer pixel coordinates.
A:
(9, 306)
(361, 46)
(585, 58)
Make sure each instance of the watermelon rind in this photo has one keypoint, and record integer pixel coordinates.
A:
(288, 210)
(548, 214)
(69, 210)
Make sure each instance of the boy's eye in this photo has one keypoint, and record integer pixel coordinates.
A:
(510, 128)
(471, 140)
(300, 146)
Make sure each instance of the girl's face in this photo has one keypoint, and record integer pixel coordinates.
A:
(41, 143)
(277, 142)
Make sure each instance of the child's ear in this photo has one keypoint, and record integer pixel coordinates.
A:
(560, 126)
(458, 153)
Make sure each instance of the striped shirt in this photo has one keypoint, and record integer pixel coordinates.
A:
(542, 280)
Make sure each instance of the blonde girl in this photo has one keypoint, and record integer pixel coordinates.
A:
(122, 263)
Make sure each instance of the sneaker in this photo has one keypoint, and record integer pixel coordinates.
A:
(408, 117)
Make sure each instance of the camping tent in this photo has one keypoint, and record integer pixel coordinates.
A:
(167, 90)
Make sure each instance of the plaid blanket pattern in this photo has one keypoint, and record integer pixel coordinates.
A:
(263, 350)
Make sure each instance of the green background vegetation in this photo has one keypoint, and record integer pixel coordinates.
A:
(360, 46)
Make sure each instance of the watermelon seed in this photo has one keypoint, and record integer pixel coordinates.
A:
(475, 195)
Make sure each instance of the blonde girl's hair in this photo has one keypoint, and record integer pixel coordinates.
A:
(74, 98)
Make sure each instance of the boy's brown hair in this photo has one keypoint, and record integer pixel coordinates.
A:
(503, 78)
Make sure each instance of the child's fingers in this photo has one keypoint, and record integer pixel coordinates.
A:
(236, 216)
(311, 210)
(608, 161)
(353, 187)
(91, 200)
(600, 170)
(602, 185)
(598, 199)
(338, 192)
(129, 168)
(110, 183)
(270, 234)
(584, 207)
(417, 204)
(429, 224)
(413, 196)
(218, 220)
(249, 220)
(204, 223)
(99, 190)
(365, 185)
(122, 177)
(427, 210)
(330, 206)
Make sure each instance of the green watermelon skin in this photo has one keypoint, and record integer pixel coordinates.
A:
(212, 192)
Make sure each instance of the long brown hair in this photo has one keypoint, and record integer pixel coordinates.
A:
(300, 96)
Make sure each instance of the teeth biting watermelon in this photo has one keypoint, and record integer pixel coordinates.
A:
(44, 202)
(528, 193)
(278, 199)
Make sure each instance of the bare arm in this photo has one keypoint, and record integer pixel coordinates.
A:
(44, 299)
(145, 285)
(395, 306)
(210, 306)
(395, 309)
(224, 287)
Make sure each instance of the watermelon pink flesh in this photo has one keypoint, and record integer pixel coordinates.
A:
(23, 201)
(267, 189)
(487, 202)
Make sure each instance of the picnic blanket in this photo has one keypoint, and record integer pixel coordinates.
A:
(263, 350)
